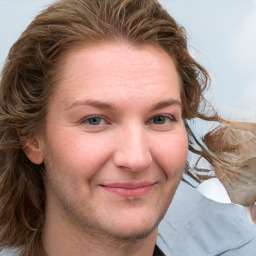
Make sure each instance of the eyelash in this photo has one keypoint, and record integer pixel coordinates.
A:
(151, 120)
(87, 119)
(166, 116)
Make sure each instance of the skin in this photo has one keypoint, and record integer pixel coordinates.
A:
(114, 149)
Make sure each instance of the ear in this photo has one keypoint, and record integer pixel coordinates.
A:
(34, 150)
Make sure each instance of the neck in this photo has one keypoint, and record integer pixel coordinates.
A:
(60, 237)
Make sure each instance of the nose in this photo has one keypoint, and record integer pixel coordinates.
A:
(133, 151)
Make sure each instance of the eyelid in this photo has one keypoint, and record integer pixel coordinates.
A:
(171, 117)
(83, 120)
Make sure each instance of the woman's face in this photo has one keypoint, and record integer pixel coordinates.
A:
(115, 144)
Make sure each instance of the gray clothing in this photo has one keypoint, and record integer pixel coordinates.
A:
(197, 226)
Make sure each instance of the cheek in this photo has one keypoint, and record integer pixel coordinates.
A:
(78, 154)
(172, 155)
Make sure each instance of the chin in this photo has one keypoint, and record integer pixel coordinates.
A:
(137, 224)
(135, 230)
(135, 235)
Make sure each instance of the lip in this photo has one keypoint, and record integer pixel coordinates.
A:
(129, 189)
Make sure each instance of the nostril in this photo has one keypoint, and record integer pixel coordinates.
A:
(133, 161)
(133, 152)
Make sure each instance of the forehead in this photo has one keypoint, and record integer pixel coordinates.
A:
(99, 70)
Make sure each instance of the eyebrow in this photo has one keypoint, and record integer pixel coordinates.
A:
(166, 103)
(112, 107)
(93, 103)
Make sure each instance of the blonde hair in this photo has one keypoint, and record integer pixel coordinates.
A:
(28, 79)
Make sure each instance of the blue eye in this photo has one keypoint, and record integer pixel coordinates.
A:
(94, 121)
(159, 120)
(162, 119)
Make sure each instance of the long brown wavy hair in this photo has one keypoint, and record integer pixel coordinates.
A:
(30, 74)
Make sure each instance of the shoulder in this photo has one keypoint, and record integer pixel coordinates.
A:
(196, 225)
(247, 249)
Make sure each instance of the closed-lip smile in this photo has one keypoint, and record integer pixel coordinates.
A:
(136, 189)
